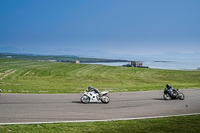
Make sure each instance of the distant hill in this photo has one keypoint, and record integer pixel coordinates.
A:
(59, 51)
(57, 58)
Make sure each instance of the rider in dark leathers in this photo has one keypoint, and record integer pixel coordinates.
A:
(170, 89)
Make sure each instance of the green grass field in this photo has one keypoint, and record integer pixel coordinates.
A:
(23, 76)
(181, 124)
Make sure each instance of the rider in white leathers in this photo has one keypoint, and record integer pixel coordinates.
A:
(90, 88)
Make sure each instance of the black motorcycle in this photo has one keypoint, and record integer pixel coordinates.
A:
(174, 94)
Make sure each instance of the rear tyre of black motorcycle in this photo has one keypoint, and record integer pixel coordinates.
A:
(166, 96)
(105, 99)
(181, 96)
(85, 99)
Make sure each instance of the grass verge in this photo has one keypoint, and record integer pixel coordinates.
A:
(180, 124)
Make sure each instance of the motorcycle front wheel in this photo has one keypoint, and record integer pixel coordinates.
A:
(166, 96)
(105, 99)
(85, 99)
(181, 96)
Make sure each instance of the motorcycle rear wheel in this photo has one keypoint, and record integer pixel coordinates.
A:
(181, 96)
(105, 99)
(85, 99)
(166, 96)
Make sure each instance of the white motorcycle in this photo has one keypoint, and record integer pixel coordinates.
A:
(95, 97)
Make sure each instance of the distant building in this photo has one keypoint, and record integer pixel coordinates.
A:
(136, 63)
(76, 61)
(8, 56)
(53, 60)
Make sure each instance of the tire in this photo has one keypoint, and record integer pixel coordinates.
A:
(166, 96)
(181, 96)
(105, 99)
(85, 99)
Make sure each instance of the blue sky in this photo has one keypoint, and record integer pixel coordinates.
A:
(115, 26)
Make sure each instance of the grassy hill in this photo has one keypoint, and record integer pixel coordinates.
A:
(26, 76)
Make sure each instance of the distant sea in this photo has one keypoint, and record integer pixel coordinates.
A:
(161, 63)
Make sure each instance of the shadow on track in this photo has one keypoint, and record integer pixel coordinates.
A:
(79, 102)
(163, 99)
(158, 99)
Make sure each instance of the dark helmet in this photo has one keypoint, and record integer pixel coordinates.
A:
(89, 87)
(168, 86)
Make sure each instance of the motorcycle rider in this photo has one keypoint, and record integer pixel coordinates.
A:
(90, 88)
(170, 89)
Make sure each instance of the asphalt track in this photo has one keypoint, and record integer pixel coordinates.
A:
(47, 108)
